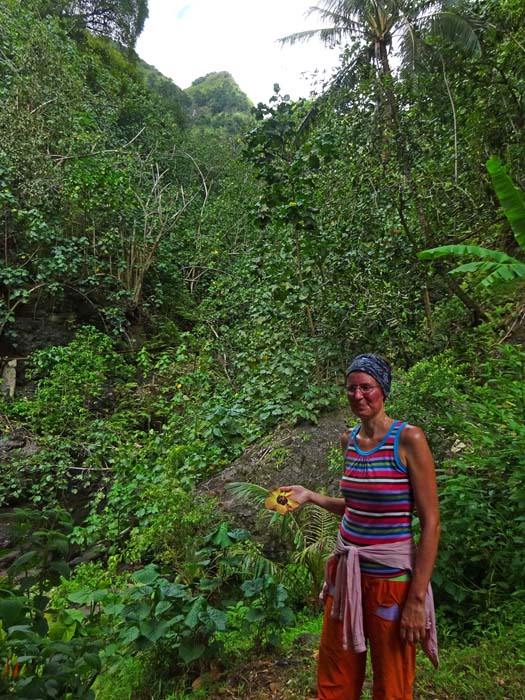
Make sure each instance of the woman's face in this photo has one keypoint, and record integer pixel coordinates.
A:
(365, 396)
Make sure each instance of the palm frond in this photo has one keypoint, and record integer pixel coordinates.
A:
(245, 491)
(315, 539)
(357, 8)
(317, 529)
(317, 524)
(455, 29)
(412, 50)
(301, 37)
(335, 92)
(343, 20)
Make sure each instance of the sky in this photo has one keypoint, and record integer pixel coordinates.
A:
(186, 39)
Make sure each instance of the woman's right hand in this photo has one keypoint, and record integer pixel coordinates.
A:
(297, 493)
(300, 495)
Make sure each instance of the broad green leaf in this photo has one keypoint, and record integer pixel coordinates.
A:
(511, 198)
(86, 595)
(93, 661)
(40, 602)
(162, 606)
(81, 597)
(478, 266)
(174, 590)
(218, 617)
(192, 618)
(505, 274)
(11, 611)
(73, 615)
(60, 631)
(23, 560)
(19, 630)
(255, 614)
(190, 651)
(146, 575)
(130, 635)
(114, 608)
(253, 587)
(286, 617)
(221, 537)
(153, 630)
(239, 534)
(61, 567)
(472, 250)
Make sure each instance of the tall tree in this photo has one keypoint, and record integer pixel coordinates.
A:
(120, 20)
(373, 28)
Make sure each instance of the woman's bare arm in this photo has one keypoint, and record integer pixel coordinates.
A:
(301, 495)
(415, 453)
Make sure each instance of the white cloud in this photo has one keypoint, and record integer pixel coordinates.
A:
(185, 39)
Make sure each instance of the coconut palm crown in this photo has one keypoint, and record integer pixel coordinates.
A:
(375, 26)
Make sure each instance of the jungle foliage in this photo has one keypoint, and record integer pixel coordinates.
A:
(207, 269)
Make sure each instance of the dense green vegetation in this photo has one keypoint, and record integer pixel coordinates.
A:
(206, 270)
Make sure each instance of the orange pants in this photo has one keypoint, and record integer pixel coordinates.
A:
(341, 672)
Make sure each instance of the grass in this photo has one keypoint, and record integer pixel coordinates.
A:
(491, 669)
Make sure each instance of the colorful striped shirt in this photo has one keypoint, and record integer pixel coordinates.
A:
(378, 497)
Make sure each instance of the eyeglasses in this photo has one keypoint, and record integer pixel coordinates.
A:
(365, 389)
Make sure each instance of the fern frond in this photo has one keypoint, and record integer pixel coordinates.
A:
(256, 565)
(316, 524)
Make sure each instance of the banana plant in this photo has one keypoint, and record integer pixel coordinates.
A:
(493, 265)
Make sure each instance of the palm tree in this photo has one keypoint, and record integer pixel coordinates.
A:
(373, 29)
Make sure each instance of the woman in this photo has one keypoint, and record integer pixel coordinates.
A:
(377, 585)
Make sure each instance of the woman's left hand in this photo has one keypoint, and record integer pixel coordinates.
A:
(413, 622)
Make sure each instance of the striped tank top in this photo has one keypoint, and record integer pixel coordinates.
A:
(378, 497)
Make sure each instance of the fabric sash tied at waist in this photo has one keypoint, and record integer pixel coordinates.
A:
(347, 604)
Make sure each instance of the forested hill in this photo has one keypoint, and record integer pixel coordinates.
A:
(214, 100)
(217, 101)
(183, 278)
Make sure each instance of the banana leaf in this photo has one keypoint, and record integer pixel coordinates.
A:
(494, 272)
(497, 256)
(510, 197)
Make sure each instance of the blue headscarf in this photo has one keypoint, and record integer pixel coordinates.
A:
(375, 366)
